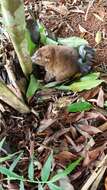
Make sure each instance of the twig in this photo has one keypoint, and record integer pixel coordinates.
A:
(88, 8)
(96, 173)
(98, 179)
(12, 78)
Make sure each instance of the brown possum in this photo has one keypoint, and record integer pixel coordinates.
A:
(63, 62)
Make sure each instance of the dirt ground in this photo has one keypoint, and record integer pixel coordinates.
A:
(54, 129)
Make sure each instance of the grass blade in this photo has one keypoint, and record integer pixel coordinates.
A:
(10, 156)
(40, 187)
(31, 170)
(22, 185)
(67, 171)
(13, 165)
(2, 142)
(10, 174)
(47, 168)
(52, 186)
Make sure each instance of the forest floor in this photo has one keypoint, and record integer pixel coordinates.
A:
(51, 127)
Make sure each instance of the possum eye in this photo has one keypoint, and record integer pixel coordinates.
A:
(47, 59)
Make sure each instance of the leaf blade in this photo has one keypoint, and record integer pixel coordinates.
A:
(84, 85)
(79, 106)
(67, 171)
(31, 170)
(10, 174)
(72, 41)
(47, 168)
(33, 86)
(52, 186)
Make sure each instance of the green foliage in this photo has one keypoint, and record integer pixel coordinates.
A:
(67, 170)
(2, 142)
(51, 84)
(50, 41)
(79, 106)
(91, 76)
(46, 168)
(72, 41)
(43, 34)
(11, 175)
(22, 185)
(31, 46)
(87, 82)
(40, 187)
(52, 186)
(15, 162)
(84, 85)
(34, 85)
(10, 156)
(105, 104)
(31, 170)
(45, 173)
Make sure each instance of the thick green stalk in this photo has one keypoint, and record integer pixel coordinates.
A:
(14, 19)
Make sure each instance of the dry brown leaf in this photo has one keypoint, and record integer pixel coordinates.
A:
(65, 156)
(77, 148)
(103, 127)
(92, 155)
(61, 9)
(100, 99)
(45, 123)
(89, 94)
(91, 130)
(95, 115)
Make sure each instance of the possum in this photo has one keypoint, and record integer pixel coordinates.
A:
(63, 62)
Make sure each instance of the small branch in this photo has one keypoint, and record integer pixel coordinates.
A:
(89, 6)
(95, 174)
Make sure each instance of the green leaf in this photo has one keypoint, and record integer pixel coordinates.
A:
(31, 170)
(43, 33)
(22, 185)
(91, 76)
(50, 41)
(52, 186)
(2, 142)
(1, 188)
(13, 165)
(62, 87)
(67, 171)
(72, 41)
(47, 168)
(40, 187)
(10, 156)
(105, 103)
(10, 174)
(79, 106)
(51, 84)
(33, 86)
(31, 46)
(84, 85)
